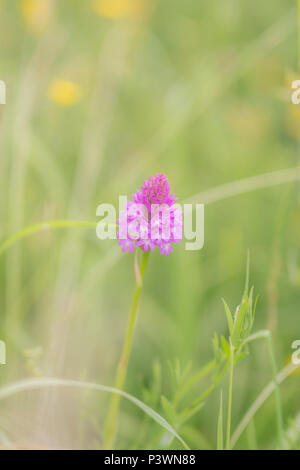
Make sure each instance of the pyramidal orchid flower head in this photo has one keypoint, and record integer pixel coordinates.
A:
(151, 219)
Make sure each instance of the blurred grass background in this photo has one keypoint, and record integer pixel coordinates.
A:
(101, 94)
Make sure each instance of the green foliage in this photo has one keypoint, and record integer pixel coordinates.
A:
(178, 407)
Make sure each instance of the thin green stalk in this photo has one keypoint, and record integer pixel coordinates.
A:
(220, 425)
(260, 400)
(231, 362)
(277, 393)
(111, 424)
(27, 231)
(267, 335)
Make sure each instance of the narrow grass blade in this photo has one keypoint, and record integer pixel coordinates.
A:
(53, 224)
(220, 438)
(33, 384)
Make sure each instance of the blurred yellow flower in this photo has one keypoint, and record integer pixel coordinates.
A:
(37, 13)
(64, 92)
(120, 8)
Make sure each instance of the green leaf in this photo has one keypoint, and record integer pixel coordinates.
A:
(238, 323)
(226, 346)
(229, 316)
(243, 318)
(254, 309)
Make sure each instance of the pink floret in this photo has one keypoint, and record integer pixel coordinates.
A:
(150, 220)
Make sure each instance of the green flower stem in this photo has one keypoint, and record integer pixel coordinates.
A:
(111, 424)
(267, 335)
(231, 362)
